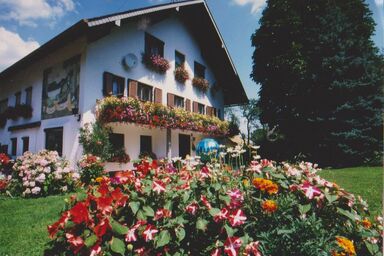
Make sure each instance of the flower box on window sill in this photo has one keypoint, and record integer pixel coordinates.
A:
(131, 110)
(181, 75)
(200, 83)
(156, 63)
(21, 110)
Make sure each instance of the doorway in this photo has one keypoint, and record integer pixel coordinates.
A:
(184, 145)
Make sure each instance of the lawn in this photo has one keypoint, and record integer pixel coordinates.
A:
(23, 222)
(364, 181)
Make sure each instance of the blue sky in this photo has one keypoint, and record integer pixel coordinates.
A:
(26, 24)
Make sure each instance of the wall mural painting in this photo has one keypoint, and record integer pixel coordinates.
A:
(61, 89)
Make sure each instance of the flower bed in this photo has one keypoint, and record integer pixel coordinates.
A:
(213, 210)
(91, 167)
(41, 174)
(130, 110)
(200, 83)
(181, 74)
(156, 63)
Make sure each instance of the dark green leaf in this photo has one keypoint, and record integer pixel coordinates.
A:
(117, 246)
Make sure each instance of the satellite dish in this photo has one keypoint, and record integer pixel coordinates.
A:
(130, 60)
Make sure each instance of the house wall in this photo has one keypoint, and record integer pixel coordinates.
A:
(32, 76)
(97, 57)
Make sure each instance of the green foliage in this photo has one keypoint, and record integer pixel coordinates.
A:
(91, 168)
(95, 140)
(321, 81)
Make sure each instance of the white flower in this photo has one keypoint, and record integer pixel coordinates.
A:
(175, 159)
(64, 189)
(76, 176)
(36, 190)
(27, 191)
(32, 184)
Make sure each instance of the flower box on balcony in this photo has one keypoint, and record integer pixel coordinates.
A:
(181, 74)
(156, 63)
(131, 110)
(201, 83)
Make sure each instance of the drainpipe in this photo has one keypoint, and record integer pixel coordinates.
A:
(169, 143)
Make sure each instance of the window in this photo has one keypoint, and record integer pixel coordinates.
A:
(199, 70)
(4, 149)
(113, 85)
(178, 102)
(153, 46)
(28, 96)
(201, 108)
(14, 146)
(3, 105)
(179, 59)
(145, 144)
(18, 98)
(54, 139)
(25, 144)
(144, 92)
(116, 140)
(219, 113)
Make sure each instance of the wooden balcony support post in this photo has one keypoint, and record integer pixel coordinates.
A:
(169, 143)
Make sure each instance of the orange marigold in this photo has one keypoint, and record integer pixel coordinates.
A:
(366, 223)
(346, 244)
(266, 185)
(269, 206)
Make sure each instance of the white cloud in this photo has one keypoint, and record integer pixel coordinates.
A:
(26, 12)
(379, 3)
(257, 5)
(13, 47)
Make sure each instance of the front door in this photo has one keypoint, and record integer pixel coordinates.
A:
(184, 145)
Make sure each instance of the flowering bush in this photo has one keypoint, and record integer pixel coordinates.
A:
(20, 110)
(156, 63)
(200, 83)
(131, 110)
(91, 167)
(42, 174)
(181, 74)
(4, 161)
(196, 209)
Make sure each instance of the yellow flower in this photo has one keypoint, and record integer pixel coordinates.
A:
(246, 183)
(346, 244)
(99, 179)
(266, 185)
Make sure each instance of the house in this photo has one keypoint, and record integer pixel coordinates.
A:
(48, 95)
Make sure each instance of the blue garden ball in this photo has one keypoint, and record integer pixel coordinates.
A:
(206, 145)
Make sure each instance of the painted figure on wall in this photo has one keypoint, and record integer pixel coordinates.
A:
(61, 89)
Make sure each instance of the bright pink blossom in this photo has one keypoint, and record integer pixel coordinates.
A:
(192, 208)
(158, 186)
(232, 245)
(222, 215)
(216, 252)
(149, 232)
(309, 190)
(252, 249)
(205, 202)
(237, 218)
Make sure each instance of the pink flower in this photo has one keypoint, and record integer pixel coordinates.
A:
(222, 215)
(204, 172)
(158, 186)
(310, 191)
(95, 250)
(205, 202)
(252, 249)
(232, 245)
(76, 242)
(162, 213)
(131, 236)
(237, 218)
(149, 232)
(237, 198)
(192, 208)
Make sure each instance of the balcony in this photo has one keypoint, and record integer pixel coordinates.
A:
(132, 110)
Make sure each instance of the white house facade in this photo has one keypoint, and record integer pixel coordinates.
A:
(63, 80)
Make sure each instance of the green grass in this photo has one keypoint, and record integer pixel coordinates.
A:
(23, 224)
(364, 181)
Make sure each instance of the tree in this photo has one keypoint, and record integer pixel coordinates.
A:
(321, 79)
(234, 122)
(250, 113)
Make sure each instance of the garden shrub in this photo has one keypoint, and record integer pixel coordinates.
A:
(41, 174)
(91, 167)
(266, 209)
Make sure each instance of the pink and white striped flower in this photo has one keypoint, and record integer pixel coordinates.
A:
(237, 218)
(192, 208)
(309, 190)
(222, 215)
(158, 186)
(149, 232)
(232, 245)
